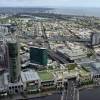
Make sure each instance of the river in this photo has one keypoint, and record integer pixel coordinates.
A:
(90, 94)
(85, 94)
(51, 97)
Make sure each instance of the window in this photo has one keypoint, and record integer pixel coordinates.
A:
(18, 86)
(15, 86)
(9, 87)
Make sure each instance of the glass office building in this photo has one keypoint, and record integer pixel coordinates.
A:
(38, 56)
(13, 61)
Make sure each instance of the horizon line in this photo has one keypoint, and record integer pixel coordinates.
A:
(45, 7)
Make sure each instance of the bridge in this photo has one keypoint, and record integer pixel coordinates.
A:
(70, 93)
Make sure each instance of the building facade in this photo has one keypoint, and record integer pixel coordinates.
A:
(95, 39)
(13, 61)
(38, 56)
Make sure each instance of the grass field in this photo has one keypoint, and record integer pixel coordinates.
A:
(45, 75)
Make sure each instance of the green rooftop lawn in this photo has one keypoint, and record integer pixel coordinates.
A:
(84, 68)
(71, 66)
(45, 75)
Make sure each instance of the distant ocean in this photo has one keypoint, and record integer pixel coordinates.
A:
(81, 11)
(78, 11)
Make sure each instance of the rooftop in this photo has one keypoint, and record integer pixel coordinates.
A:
(73, 53)
(45, 75)
(12, 41)
(29, 76)
(38, 47)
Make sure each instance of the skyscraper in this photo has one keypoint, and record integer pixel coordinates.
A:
(38, 56)
(13, 61)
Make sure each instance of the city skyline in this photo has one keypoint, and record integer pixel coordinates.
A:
(49, 53)
(49, 3)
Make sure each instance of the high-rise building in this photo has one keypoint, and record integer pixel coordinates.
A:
(13, 61)
(95, 39)
(5, 58)
(1, 53)
(38, 56)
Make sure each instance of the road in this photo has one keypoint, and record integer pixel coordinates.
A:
(56, 56)
(70, 90)
(70, 93)
(66, 38)
(45, 36)
(58, 39)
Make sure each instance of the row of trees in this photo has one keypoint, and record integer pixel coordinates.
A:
(88, 82)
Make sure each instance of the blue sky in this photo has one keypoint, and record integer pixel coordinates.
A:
(50, 3)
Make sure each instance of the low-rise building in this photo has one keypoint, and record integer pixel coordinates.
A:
(13, 88)
(31, 80)
(47, 80)
(72, 54)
